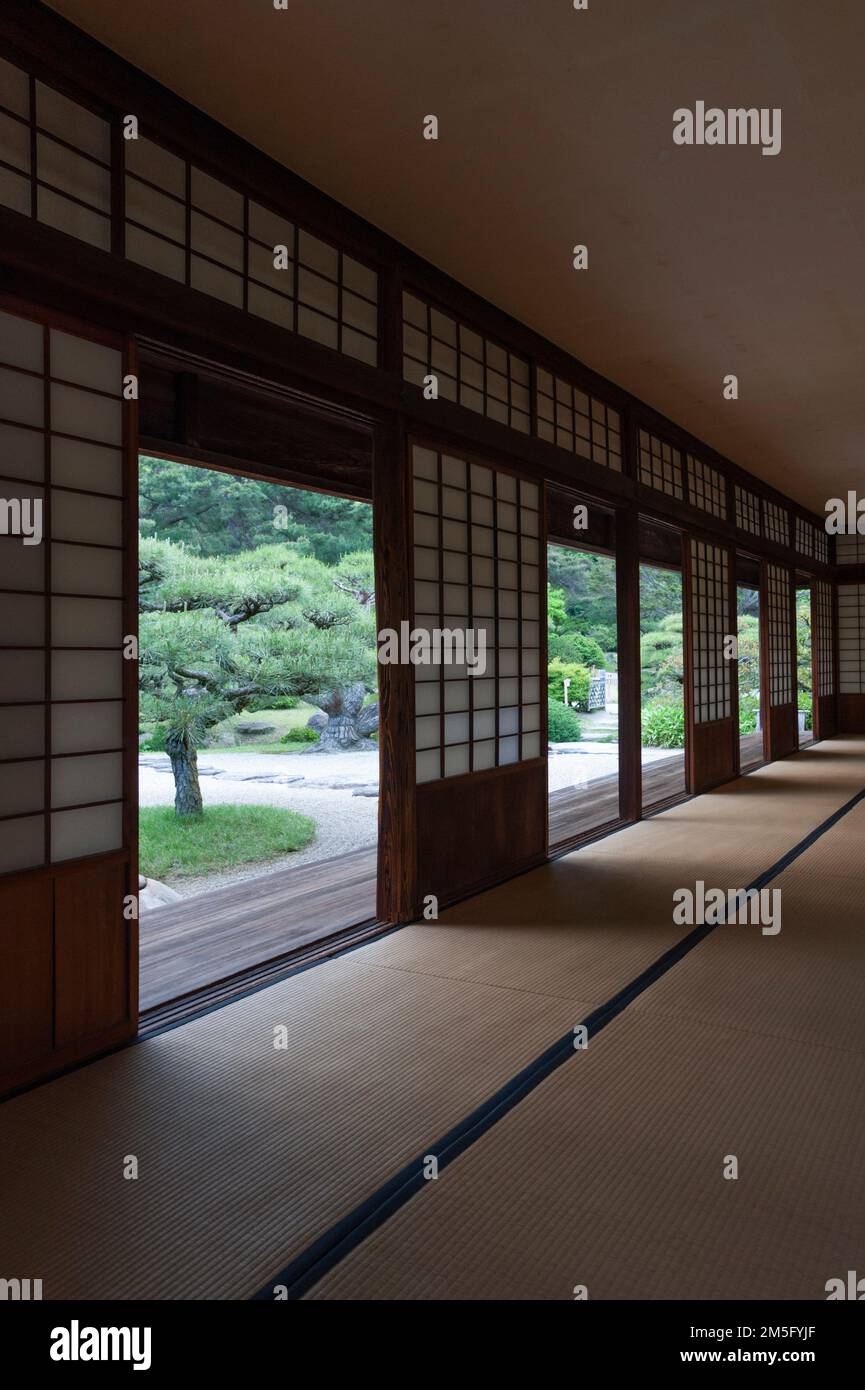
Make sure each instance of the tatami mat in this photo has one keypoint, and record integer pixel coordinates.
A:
(610, 1174)
(246, 1152)
(604, 913)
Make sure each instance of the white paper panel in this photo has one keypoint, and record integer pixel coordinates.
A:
(83, 622)
(22, 731)
(22, 789)
(83, 413)
(21, 342)
(22, 621)
(81, 728)
(154, 253)
(86, 569)
(22, 844)
(94, 777)
(87, 675)
(55, 210)
(22, 453)
(73, 123)
(21, 398)
(86, 363)
(91, 830)
(21, 566)
(76, 516)
(22, 676)
(93, 467)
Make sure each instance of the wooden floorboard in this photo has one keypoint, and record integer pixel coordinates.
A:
(750, 749)
(213, 936)
(579, 810)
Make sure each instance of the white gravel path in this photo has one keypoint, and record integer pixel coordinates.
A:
(344, 821)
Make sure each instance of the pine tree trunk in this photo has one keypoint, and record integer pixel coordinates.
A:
(349, 722)
(184, 764)
(341, 734)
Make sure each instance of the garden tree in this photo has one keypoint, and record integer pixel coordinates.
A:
(660, 596)
(662, 662)
(216, 635)
(804, 667)
(557, 613)
(566, 636)
(749, 654)
(589, 585)
(214, 513)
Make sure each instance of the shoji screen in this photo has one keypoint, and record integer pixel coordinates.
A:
(823, 628)
(711, 622)
(65, 692)
(779, 665)
(479, 568)
(476, 560)
(851, 657)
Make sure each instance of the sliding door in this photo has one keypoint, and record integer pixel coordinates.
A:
(780, 659)
(68, 884)
(711, 628)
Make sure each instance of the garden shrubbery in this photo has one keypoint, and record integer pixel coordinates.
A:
(563, 726)
(302, 734)
(580, 677)
(663, 725)
(749, 709)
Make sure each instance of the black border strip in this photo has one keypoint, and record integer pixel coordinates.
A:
(317, 1259)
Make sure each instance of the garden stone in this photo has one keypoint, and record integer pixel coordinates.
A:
(254, 729)
(155, 894)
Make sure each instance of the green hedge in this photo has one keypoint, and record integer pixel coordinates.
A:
(302, 734)
(578, 690)
(563, 726)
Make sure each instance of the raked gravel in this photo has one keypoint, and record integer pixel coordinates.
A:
(326, 791)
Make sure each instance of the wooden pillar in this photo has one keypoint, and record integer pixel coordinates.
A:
(628, 618)
(397, 845)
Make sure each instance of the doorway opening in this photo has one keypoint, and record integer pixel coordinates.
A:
(748, 665)
(662, 667)
(258, 723)
(583, 692)
(804, 663)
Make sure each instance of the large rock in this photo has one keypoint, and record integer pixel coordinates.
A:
(318, 721)
(254, 730)
(154, 894)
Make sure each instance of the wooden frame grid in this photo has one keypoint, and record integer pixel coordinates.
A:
(477, 567)
(51, 380)
(470, 369)
(577, 420)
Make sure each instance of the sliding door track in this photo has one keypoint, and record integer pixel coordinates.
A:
(202, 1001)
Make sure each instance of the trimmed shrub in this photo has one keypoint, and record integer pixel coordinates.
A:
(563, 726)
(663, 726)
(578, 690)
(302, 734)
